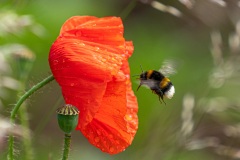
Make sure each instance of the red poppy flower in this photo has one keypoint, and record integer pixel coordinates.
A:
(89, 61)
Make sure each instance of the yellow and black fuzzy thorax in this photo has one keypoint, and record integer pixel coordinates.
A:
(152, 74)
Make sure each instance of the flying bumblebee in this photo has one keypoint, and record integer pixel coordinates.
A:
(158, 81)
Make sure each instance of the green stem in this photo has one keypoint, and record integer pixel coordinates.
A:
(27, 94)
(10, 148)
(24, 117)
(67, 142)
(127, 10)
(27, 143)
(16, 108)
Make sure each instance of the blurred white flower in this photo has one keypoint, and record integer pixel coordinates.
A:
(12, 23)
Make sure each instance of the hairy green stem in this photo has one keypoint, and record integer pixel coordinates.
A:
(16, 108)
(27, 94)
(27, 143)
(67, 143)
(24, 119)
(10, 155)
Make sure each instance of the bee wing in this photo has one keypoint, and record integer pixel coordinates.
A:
(168, 68)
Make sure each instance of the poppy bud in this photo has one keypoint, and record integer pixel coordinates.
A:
(67, 118)
(23, 56)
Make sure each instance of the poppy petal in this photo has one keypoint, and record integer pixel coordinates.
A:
(89, 61)
(115, 124)
(108, 30)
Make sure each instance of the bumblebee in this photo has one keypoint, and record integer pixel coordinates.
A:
(158, 82)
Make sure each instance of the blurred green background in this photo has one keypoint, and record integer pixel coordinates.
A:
(200, 122)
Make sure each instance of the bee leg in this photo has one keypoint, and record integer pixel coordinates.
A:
(163, 101)
(139, 86)
(155, 92)
(161, 96)
(159, 99)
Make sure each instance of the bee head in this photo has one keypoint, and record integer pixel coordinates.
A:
(143, 76)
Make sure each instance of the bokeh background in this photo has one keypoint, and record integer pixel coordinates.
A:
(202, 37)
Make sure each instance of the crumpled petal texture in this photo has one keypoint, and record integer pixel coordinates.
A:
(89, 61)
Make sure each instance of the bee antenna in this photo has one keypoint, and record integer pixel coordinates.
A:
(141, 68)
(136, 75)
